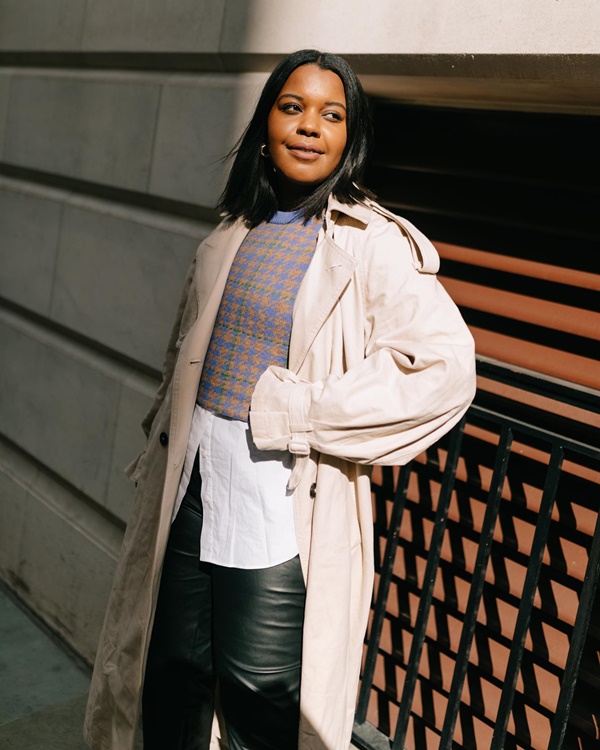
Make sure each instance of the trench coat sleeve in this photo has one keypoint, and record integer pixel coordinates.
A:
(415, 382)
(171, 353)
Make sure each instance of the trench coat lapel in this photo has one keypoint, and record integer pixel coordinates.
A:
(217, 253)
(328, 274)
(217, 256)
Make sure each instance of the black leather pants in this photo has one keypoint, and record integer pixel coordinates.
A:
(243, 627)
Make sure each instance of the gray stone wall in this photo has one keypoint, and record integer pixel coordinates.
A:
(108, 178)
(114, 116)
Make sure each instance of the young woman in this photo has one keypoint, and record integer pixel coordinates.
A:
(313, 341)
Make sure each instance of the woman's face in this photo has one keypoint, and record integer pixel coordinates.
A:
(306, 131)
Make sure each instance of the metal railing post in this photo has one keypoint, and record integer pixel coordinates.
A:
(477, 583)
(526, 606)
(431, 569)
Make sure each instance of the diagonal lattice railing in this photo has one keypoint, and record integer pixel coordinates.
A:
(553, 450)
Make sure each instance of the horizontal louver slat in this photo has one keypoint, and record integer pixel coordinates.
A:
(511, 201)
(518, 307)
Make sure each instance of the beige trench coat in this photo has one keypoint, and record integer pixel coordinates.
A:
(380, 366)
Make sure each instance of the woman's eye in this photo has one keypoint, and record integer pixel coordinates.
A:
(290, 107)
(333, 116)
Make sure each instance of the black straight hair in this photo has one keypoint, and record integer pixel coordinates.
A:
(249, 194)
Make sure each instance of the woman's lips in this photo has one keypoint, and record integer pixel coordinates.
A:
(307, 153)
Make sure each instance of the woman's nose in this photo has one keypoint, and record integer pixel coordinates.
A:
(309, 124)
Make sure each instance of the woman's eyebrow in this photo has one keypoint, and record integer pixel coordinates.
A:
(301, 99)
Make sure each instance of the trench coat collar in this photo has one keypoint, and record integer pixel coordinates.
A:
(425, 256)
(359, 211)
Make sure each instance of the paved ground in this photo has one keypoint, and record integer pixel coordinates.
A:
(42, 689)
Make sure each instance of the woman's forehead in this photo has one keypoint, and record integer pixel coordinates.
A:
(311, 80)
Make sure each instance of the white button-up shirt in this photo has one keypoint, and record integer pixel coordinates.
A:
(248, 512)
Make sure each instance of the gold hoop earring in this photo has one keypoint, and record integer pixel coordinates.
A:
(264, 151)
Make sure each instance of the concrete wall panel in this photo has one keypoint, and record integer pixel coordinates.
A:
(63, 553)
(153, 25)
(13, 500)
(30, 219)
(59, 254)
(5, 77)
(68, 577)
(59, 404)
(131, 310)
(34, 25)
(101, 130)
(200, 120)
(406, 27)
(136, 397)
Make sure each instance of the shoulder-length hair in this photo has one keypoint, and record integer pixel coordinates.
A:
(249, 194)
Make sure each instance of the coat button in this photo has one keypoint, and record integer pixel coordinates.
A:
(313, 490)
(164, 438)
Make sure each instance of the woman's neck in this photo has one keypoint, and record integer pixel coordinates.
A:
(289, 196)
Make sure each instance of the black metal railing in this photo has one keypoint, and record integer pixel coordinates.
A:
(552, 439)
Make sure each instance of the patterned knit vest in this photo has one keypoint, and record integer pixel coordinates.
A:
(254, 321)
